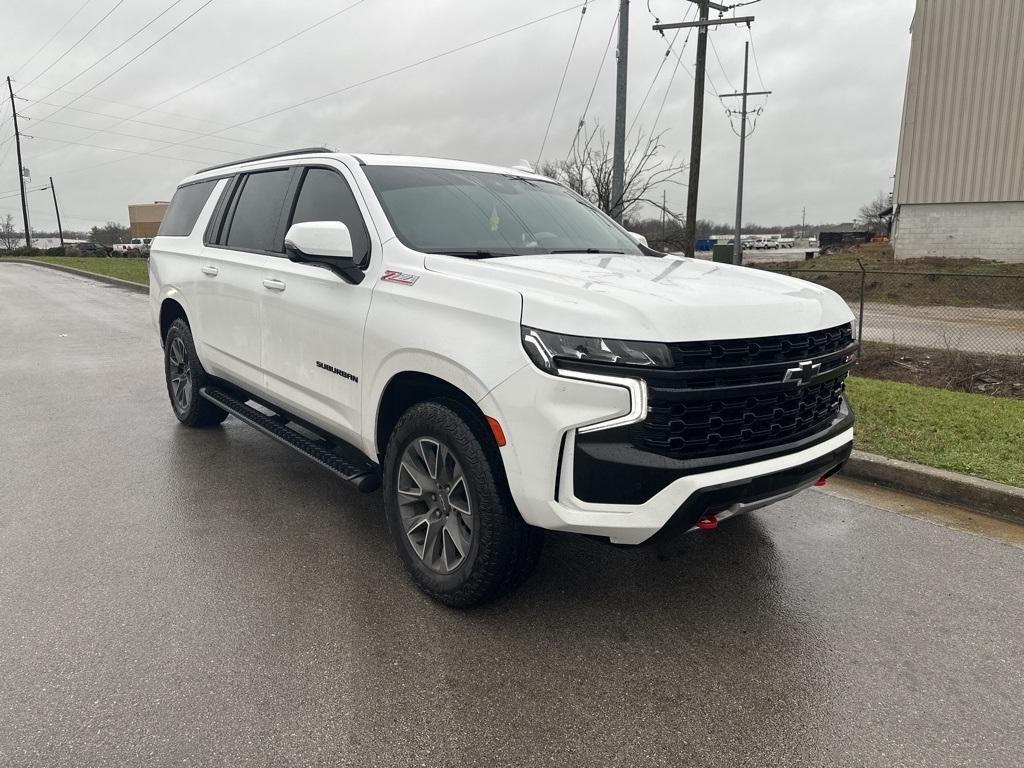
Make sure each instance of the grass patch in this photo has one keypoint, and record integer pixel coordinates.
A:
(962, 282)
(973, 434)
(133, 270)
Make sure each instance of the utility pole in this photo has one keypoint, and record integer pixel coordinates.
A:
(737, 248)
(696, 134)
(21, 170)
(703, 26)
(56, 208)
(619, 148)
(664, 204)
(803, 223)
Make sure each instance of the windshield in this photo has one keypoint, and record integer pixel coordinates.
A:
(477, 215)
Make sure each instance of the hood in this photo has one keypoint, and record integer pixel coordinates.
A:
(653, 299)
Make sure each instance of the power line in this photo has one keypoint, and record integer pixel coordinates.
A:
(144, 110)
(565, 71)
(151, 124)
(18, 194)
(661, 65)
(60, 58)
(593, 89)
(260, 53)
(753, 53)
(114, 50)
(714, 50)
(132, 60)
(53, 37)
(350, 86)
(113, 149)
(397, 70)
(137, 136)
(178, 115)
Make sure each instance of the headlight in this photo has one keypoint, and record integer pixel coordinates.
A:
(545, 348)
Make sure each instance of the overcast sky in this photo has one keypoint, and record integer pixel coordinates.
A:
(826, 138)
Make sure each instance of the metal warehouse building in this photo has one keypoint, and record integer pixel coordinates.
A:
(959, 188)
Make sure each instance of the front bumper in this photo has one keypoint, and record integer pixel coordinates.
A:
(542, 415)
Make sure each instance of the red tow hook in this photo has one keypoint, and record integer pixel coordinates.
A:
(708, 523)
(820, 482)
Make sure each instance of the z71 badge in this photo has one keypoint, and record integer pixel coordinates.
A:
(394, 276)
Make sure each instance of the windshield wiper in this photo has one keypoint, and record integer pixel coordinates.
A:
(477, 254)
(586, 250)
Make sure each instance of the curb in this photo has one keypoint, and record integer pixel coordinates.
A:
(972, 493)
(127, 284)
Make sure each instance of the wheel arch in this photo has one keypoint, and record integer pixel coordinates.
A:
(170, 310)
(407, 388)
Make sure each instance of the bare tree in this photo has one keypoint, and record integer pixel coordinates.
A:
(877, 214)
(9, 238)
(588, 170)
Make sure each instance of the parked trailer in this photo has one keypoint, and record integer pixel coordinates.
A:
(833, 241)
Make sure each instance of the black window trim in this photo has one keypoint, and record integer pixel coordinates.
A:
(292, 201)
(214, 179)
(220, 222)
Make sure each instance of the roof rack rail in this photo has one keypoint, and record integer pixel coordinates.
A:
(271, 156)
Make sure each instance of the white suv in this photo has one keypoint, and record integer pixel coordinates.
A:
(497, 353)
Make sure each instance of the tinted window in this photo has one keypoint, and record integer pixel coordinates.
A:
(185, 207)
(468, 212)
(326, 196)
(258, 210)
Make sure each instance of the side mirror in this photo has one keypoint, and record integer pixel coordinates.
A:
(639, 238)
(324, 242)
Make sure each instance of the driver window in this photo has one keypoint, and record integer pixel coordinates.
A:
(326, 196)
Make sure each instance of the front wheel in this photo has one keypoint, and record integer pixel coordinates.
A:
(185, 376)
(449, 509)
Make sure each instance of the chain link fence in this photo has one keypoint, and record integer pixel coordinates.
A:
(957, 330)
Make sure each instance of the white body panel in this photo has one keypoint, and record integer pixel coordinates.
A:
(460, 320)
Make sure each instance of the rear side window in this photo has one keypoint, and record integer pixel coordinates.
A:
(185, 207)
(326, 196)
(257, 210)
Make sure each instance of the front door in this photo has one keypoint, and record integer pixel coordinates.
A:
(312, 319)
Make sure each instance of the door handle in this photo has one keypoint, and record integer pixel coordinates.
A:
(211, 271)
(274, 285)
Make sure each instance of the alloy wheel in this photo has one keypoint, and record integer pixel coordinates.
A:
(180, 374)
(436, 510)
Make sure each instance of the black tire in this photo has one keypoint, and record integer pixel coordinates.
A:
(185, 376)
(503, 549)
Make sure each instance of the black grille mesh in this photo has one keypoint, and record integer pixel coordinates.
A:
(714, 427)
(703, 355)
(686, 420)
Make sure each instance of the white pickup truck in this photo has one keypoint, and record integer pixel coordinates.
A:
(496, 352)
(139, 246)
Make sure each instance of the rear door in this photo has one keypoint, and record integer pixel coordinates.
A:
(241, 235)
(312, 319)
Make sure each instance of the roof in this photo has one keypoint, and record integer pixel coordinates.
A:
(362, 158)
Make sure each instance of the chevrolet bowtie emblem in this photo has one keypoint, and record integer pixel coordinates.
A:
(803, 373)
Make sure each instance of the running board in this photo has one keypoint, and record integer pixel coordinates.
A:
(362, 474)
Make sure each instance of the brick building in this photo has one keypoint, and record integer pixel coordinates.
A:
(144, 219)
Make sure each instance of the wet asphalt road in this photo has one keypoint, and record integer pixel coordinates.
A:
(179, 597)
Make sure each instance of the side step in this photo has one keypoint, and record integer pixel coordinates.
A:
(362, 474)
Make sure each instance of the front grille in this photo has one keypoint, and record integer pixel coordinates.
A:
(712, 427)
(728, 397)
(709, 355)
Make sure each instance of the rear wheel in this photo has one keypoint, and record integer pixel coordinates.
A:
(449, 510)
(185, 376)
